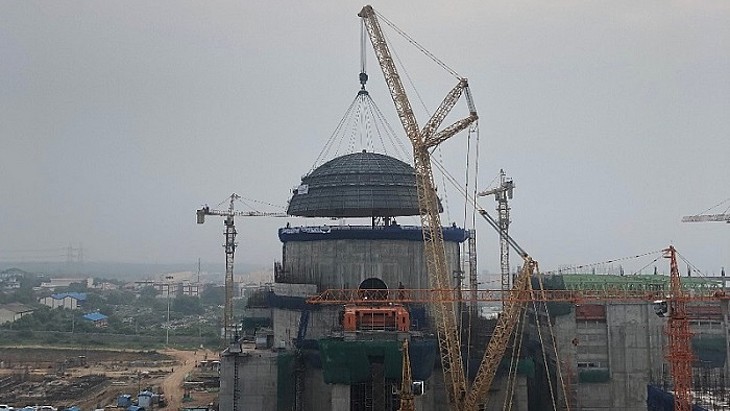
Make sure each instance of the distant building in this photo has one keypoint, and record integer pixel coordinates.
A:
(54, 283)
(13, 312)
(190, 289)
(71, 301)
(170, 288)
(98, 319)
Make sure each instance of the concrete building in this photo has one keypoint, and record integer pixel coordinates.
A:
(609, 353)
(313, 363)
(13, 311)
(70, 301)
(588, 357)
(54, 283)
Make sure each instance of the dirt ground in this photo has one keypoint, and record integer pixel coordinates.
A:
(172, 385)
(126, 372)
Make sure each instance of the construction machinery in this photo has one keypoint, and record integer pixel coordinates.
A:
(230, 250)
(422, 141)
(502, 193)
(407, 399)
(702, 217)
(460, 396)
(673, 300)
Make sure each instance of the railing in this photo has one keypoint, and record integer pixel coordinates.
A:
(406, 296)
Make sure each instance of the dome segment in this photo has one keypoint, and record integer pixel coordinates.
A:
(357, 185)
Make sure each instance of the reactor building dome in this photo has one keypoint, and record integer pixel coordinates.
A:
(362, 184)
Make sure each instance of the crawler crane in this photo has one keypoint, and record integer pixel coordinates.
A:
(422, 141)
(441, 295)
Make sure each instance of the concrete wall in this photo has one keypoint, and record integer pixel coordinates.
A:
(286, 324)
(629, 344)
(346, 263)
(257, 376)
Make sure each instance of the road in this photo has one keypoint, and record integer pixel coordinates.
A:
(172, 384)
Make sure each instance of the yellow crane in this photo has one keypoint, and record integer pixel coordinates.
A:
(407, 400)
(422, 140)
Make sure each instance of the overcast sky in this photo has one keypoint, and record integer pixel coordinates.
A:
(119, 119)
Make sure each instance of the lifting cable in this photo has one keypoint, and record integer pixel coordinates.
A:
(553, 341)
(614, 260)
(692, 266)
(514, 362)
(538, 325)
(330, 141)
(419, 47)
(717, 205)
(243, 200)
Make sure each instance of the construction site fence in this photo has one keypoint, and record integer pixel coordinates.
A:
(59, 338)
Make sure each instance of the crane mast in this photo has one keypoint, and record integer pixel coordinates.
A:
(230, 250)
(679, 352)
(502, 194)
(407, 400)
(422, 141)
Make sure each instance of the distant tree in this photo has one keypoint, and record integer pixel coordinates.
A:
(187, 305)
(148, 292)
(120, 297)
(77, 288)
(95, 302)
(23, 295)
(213, 295)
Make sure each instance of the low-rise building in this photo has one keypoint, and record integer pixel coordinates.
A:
(98, 319)
(71, 301)
(13, 311)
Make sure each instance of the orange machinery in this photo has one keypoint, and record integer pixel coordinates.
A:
(369, 318)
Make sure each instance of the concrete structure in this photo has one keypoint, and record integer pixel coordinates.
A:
(608, 353)
(13, 311)
(295, 371)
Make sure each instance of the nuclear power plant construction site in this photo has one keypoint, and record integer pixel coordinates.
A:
(377, 300)
(382, 315)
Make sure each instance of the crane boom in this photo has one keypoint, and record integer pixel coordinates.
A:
(706, 217)
(444, 313)
(506, 324)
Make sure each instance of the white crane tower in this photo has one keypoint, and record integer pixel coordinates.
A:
(230, 247)
(502, 193)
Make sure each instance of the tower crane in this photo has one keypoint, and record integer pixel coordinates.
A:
(422, 140)
(230, 250)
(502, 193)
(702, 217)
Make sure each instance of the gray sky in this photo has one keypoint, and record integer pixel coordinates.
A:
(119, 119)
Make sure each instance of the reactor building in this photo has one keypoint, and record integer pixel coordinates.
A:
(320, 357)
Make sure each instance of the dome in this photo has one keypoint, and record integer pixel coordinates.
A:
(357, 185)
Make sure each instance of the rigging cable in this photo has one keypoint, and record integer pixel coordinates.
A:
(552, 338)
(418, 46)
(538, 325)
